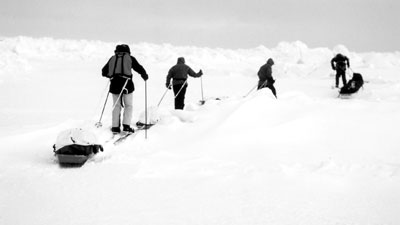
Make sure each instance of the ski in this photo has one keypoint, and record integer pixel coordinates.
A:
(345, 96)
(139, 127)
(113, 137)
(202, 102)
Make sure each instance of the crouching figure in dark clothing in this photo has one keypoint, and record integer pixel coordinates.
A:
(339, 63)
(179, 75)
(265, 77)
(353, 85)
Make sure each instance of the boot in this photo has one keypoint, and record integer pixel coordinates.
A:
(127, 128)
(115, 130)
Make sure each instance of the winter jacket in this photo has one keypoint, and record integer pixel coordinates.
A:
(339, 62)
(118, 69)
(179, 73)
(265, 72)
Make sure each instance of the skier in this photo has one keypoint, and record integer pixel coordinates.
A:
(339, 63)
(265, 76)
(179, 74)
(118, 69)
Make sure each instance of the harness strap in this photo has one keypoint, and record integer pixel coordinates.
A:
(122, 63)
(115, 64)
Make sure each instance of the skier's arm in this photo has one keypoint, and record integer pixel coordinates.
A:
(104, 70)
(194, 74)
(139, 68)
(348, 62)
(333, 64)
(169, 77)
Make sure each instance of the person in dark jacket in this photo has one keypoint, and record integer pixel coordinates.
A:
(265, 77)
(339, 63)
(119, 70)
(179, 74)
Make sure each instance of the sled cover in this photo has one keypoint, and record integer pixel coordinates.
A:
(76, 141)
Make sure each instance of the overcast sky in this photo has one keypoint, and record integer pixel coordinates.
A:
(361, 25)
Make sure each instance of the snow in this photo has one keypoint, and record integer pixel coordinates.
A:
(307, 157)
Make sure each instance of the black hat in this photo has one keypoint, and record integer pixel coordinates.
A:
(122, 48)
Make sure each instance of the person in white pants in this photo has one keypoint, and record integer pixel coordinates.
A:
(119, 70)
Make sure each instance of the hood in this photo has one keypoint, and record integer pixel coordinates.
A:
(181, 60)
(123, 48)
(270, 62)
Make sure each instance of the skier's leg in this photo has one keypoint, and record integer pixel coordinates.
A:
(271, 86)
(176, 89)
(344, 78)
(127, 99)
(116, 111)
(182, 96)
(337, 78)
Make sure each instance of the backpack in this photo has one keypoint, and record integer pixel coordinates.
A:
(120, 63)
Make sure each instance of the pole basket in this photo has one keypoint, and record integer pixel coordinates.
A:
(98, 125)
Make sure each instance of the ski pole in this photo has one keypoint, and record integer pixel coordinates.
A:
(164, 95)
(351, 70)
(202, 96)
(99, 124)
(252, 89)
(181, 89)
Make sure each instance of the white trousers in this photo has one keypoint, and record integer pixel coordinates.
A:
(116, 113)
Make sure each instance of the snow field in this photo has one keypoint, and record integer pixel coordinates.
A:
(306, 158)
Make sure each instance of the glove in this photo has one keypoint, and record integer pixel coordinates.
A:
(270, 81)
(145, 77)
(200, 73)
(168, 86)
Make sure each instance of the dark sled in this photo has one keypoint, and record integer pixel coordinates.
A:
(72, 160)
(76, 155)
(353, 85)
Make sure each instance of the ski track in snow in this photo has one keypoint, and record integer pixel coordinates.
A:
(306, 158)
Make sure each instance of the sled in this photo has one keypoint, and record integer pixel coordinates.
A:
(352, 87)
(72, 160)
(75, 146)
